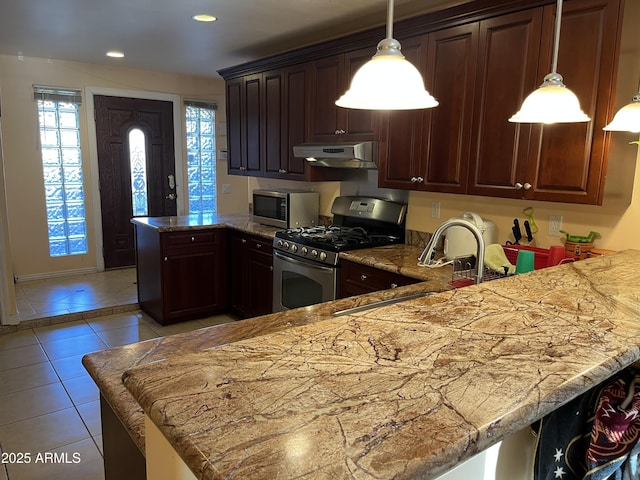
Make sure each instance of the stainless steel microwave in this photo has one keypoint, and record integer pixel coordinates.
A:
(286, 208)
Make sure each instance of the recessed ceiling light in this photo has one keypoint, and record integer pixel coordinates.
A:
(115, 54)
(204, 18)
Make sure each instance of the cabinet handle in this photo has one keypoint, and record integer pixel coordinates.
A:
(282, 170)
(166, 258)
(340, 132)
(518, 186)
(258, 245)
(527, 186)
(420, 179)
(243, 240)
(193, 239)
(394, 285)
(271, 268)
(363, 277)
(414, 179)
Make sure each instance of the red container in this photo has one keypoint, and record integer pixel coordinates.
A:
(540, 255)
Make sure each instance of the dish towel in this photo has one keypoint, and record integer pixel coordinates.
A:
(596, 436)
(496, 260)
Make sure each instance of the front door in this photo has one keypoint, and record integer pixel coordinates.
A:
(136, 166)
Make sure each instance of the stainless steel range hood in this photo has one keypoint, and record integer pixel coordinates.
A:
(339, 155)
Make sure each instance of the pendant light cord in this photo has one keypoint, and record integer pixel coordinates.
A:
(556, 42)
(390, 19)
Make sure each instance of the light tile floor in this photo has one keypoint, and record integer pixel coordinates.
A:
(48, 402)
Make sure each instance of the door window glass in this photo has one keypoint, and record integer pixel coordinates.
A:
(138, 161)
(201, 157)
(62, 169)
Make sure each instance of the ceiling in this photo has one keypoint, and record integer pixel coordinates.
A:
(161, 34)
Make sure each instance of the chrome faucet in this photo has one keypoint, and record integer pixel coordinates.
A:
(427, 254)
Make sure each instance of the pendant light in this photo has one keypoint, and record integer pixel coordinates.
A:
(388, 81)
(628, 117)
(552, 102)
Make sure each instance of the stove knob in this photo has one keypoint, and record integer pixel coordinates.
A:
(280, 243)
(314, 253)
(304, 250)
(286, 245)
(323, 256)
(294, 248)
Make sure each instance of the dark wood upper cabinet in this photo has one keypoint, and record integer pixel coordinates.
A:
(330, 78)
(401, 157)
(480, 60)
(560, 162)
(508, 54)
(244, 108)
(286, 112)
(567, 162)
(446, 136)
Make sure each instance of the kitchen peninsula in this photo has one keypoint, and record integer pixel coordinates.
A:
(403, 391)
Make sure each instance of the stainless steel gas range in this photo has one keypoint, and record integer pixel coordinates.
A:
(306, 260)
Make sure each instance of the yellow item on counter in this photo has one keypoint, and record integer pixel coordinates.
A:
(496, 260)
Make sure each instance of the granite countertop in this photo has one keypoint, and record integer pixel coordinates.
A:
(402, 391)
(199, 222)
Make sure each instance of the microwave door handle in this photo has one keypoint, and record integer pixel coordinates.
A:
(304, 264)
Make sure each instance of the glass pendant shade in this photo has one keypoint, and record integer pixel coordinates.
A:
(551, 103)
(388, 81)
(627, 119)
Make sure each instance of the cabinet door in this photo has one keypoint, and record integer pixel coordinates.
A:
(234, 126)
(243, 125)
(451, 78)
(273, 123)
(400, 163)
(568, 163)
(194, 280)
(295, 118)
(285, 120)
(507, 72)
(260, 277)
(238, 273)
(358, 125)
(330, 79)
(252, 149)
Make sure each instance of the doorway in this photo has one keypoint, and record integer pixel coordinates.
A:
(136, 169)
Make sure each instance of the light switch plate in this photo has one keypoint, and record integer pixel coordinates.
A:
(226, 188)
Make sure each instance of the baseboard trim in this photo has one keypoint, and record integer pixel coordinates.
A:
(44, 276)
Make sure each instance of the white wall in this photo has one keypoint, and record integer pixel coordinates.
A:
(23, 169)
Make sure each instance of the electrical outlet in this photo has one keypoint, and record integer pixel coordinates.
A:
(435, 209)
(555, 225)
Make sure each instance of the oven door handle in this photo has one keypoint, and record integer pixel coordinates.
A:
(295, 261)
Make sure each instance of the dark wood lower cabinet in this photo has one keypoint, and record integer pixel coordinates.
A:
(357, 279)
(250, 275)
(181, 275)
(123, 460)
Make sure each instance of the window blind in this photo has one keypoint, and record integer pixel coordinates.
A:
(55, 94)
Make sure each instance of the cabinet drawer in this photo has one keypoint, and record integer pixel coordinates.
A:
(260, 245)
(189, 242)
(372, 279)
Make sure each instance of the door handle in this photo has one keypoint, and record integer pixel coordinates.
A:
(172, 182)
(171, 196)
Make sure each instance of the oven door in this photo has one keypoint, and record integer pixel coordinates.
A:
(297, 283)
